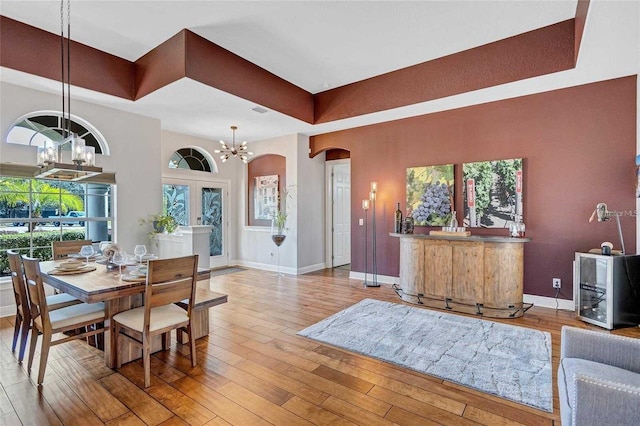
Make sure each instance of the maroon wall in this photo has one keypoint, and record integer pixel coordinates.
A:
(578, 146)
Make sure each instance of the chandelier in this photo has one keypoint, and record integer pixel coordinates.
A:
(82, 156)
(227, 151)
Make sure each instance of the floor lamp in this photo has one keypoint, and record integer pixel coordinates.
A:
(365, 207)
(374, 266)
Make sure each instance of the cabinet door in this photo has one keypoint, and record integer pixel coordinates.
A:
(412, 267)
(503, 274)
(467, 271)
(437, 269)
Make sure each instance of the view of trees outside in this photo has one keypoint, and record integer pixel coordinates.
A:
(35, 212)
(492, 193)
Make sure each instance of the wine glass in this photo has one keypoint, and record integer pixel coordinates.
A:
(86, 252)
(119, 258)
(140, 250)
(103, 245)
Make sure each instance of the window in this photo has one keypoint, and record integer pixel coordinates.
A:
(35, 212)
(46, 127)
(190, 159)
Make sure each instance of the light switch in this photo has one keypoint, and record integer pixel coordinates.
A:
(361, 221)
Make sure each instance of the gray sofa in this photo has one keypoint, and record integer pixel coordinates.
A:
(598, 378)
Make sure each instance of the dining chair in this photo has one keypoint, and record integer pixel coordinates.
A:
(47, 322)
(63, 249)
(168, 281)
(23, 312)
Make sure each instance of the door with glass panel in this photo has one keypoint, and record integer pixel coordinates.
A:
(211, 210)
(193, 202)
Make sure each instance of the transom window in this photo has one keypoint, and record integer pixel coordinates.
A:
(190, 159)
(42, 128)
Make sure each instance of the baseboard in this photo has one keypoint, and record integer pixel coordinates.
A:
(267, 267)
(311, 268)
(7, 311)
(382, 279)
(549, 302)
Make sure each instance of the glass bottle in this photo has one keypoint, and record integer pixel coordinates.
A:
(398, 220)
(453, 225)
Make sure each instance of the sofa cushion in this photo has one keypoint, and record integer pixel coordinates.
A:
(601, 372)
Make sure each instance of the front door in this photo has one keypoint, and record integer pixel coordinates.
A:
(212, 212)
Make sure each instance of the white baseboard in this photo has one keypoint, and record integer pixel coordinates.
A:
(382, 279)
(283, 269)
(7, 311)
(549, 302)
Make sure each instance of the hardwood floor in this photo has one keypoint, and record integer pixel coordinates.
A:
(253, 370)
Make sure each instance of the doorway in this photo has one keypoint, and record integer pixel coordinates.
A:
(205, 203)
(338, 174)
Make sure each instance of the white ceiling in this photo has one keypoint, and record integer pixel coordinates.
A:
(313, 44)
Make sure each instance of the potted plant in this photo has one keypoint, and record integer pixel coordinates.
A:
(163, 223)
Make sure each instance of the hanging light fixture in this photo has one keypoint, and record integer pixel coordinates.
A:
(48, 156)
(227, 151)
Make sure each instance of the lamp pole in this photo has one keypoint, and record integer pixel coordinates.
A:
(365, 207)
(374, 266)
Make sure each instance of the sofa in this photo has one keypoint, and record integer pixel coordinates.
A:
(598, 378)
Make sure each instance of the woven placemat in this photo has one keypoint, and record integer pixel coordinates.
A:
(133, 279)
(82, 270)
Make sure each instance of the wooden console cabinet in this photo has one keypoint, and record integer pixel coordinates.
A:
(479, 275)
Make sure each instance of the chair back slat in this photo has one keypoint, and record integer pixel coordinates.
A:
(63, 249)
(170, 281)
(37, 298)
(17, 279)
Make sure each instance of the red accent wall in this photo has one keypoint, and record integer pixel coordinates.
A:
(266, 165)
(578, 146)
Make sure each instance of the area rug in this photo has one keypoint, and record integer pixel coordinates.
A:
(224, 271)
(500, 359)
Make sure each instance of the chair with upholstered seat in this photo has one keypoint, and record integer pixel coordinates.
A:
(168, 281)
(23, 312)
(63, 249)
(48, 322)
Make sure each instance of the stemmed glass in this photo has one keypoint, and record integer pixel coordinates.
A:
(86, 252)
(103, 245)
(119, 258)
(140, 250)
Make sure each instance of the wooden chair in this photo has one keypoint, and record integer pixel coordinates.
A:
(63, 249)
(49, 322)
(168, 281)
(23, 312)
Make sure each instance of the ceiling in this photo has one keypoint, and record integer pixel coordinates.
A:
(315, 45)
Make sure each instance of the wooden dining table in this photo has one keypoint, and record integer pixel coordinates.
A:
(118, 294)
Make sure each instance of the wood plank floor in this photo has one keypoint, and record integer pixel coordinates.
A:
(253, 370)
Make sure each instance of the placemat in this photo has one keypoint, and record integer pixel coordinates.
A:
(57, 271)
(133, 279)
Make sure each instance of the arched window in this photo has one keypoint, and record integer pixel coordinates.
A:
(45, 127)
(190, 159)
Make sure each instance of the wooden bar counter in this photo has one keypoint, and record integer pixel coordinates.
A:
(472, 274)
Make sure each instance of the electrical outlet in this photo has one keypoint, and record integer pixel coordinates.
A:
(557, 283)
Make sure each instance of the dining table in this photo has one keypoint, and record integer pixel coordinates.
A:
(94, 282)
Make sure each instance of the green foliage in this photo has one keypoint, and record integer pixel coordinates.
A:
(280, 215)
(16, 193)
(506, 173)
(41, 245)
(483, 175)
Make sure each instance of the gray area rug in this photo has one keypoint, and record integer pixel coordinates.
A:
(224, 271)
(504, 360)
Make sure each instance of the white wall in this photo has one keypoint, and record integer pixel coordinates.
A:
(303, 249)
(133, 142)
(311, 208)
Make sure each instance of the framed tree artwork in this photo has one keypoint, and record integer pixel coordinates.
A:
(493, 193)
